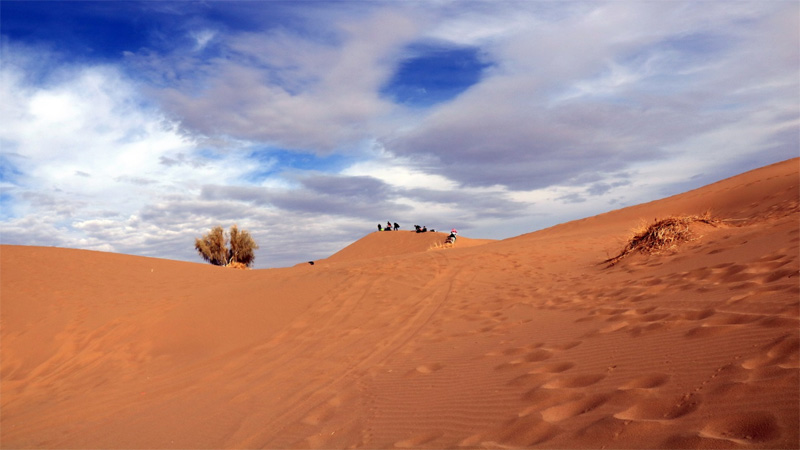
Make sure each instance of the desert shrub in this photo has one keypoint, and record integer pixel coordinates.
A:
(213, 247)
(662, 235)
(243, 247)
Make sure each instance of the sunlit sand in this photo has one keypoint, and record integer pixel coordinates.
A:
(398, 342)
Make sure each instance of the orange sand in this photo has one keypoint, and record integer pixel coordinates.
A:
(524, 342)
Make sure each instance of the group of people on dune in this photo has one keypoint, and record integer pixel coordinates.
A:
(389, 226)
(451, 239)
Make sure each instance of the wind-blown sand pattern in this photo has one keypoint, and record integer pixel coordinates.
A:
(520, 343)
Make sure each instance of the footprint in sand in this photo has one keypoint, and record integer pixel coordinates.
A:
(733, 274)
(654, 317)
(533, 356)
(707, 330)
(538, 355)
(509, 365)
(775, 376)
(614, 327)
(609, 428)
(699, 315)
(539, 399)
(716, 323)
(425, 369)
(530, 379)
(700, 274)
(520, 350)
(554, 367)
(650, 381)
(576, 381)
(733, 319)
(776, 275)
(523, 431)
(782, 352)
(574, 408)
(661, 408)
(744, 428)
(567, 346)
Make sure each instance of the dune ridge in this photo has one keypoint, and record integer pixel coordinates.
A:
(528, 342)
(396, 243)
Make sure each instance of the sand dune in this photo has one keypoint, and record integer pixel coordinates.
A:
(392, 244)
(520, 343)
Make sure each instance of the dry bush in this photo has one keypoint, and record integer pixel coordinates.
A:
(242, 247)
(213, 247)
(663, 235)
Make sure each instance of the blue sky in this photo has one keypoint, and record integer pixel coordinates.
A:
(134, 127)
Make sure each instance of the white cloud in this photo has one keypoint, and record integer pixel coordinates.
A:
(592, 92)
(202, 38)
(394, 173)
(276, 86)
(86, 145)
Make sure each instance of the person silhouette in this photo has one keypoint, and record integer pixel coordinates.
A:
(452, 238)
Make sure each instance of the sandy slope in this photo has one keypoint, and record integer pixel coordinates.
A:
(390, 243)
(525, 342)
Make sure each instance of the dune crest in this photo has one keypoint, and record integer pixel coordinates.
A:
(529, 342)
(395, 243)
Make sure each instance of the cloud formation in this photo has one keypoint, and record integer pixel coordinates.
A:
(309, 125)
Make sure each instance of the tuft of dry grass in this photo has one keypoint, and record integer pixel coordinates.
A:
(237, 265)
(663, 235)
